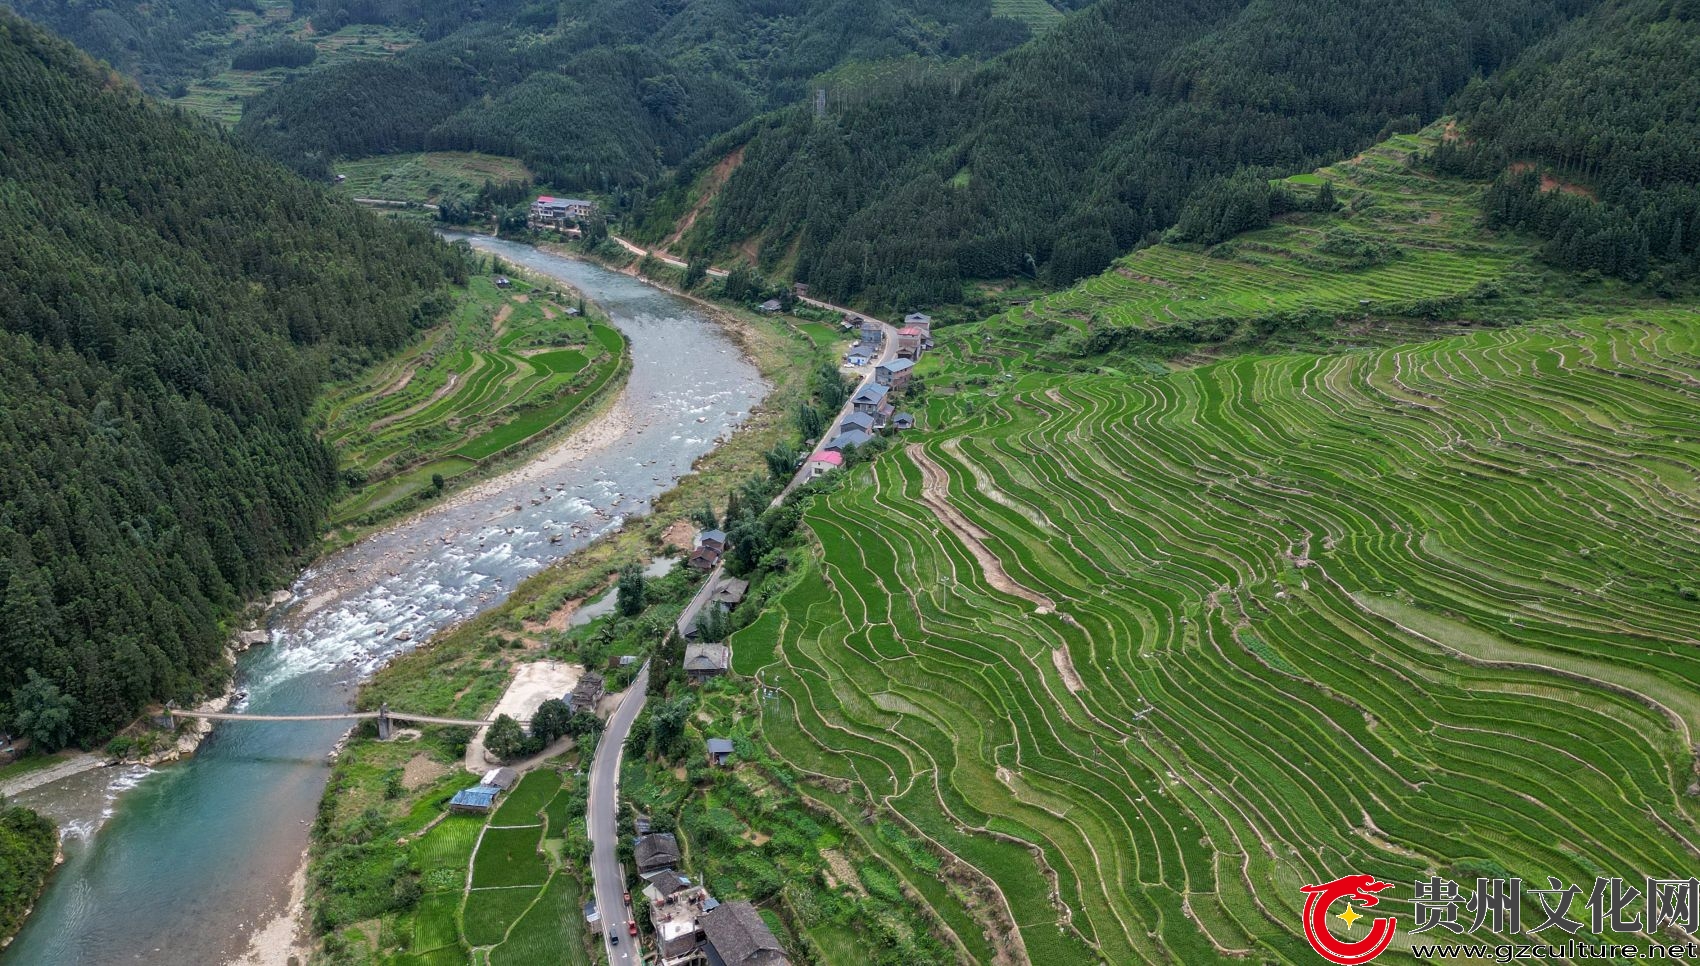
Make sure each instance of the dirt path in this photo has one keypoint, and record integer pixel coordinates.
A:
(935, 488)
(447, 387)
(400, 383)
(1065, 667)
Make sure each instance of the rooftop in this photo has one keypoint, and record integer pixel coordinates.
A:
(897, 365)
(720, 746)
(829, 457)
(707, 657)
(739, 937)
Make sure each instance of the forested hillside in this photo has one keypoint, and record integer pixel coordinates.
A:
(1593, 137)
(600, 93)
(169, 305)
(1052, 160)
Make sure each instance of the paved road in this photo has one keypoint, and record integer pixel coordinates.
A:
(603, 808)
(888, 352)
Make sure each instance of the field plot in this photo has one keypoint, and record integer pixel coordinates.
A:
(429, 177)
(1151, 652)
(1037, 14)
(509, 365)
(221, 95)
(1403, 240)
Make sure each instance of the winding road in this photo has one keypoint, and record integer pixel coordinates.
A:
(602, 813)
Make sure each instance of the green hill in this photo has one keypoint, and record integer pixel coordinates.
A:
(171, 307)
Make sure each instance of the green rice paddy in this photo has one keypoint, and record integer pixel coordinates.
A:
(1150, 647)
(508, 366)
(428, 177)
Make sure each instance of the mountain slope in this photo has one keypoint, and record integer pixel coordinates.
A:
(169, 306)
(602, 93)
(1079, 145)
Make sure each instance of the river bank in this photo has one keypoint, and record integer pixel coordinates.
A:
(191, 856)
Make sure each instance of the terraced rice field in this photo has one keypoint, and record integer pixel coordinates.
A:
(1426, 226)
(221, 95)
(1151, 652)
(1035, 13)
(507, 367)
(428, 177)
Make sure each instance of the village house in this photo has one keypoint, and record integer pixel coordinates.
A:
(861, 421)
(710, 544)
(704, 661)
(735, 935)
(558, 213)
(848, 440)
(909, 341)
(719, 749)
(872, 332)
(584, 695)
(675, 907)
(819, 464)
(903, 421)
(729, 593)
(870, 401)
(919, 320)
(894, 374)
(861, 354)
(502, 778)
(652, 853)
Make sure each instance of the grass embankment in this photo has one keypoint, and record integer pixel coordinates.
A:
(509, 368)
(220, 96)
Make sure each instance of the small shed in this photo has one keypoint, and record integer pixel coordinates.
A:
(502, 281)
(477, 800)
(771, 305)
(703, 558)
(502, 778)
(903, 421)
(719, 749)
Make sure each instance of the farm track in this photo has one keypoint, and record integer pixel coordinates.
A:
(1382, 611)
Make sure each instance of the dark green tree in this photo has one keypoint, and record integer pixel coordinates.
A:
(41, 712)
(506, 739)
(631, 591)
(551, 721)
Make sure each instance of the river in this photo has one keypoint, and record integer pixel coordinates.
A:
(179, 864)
